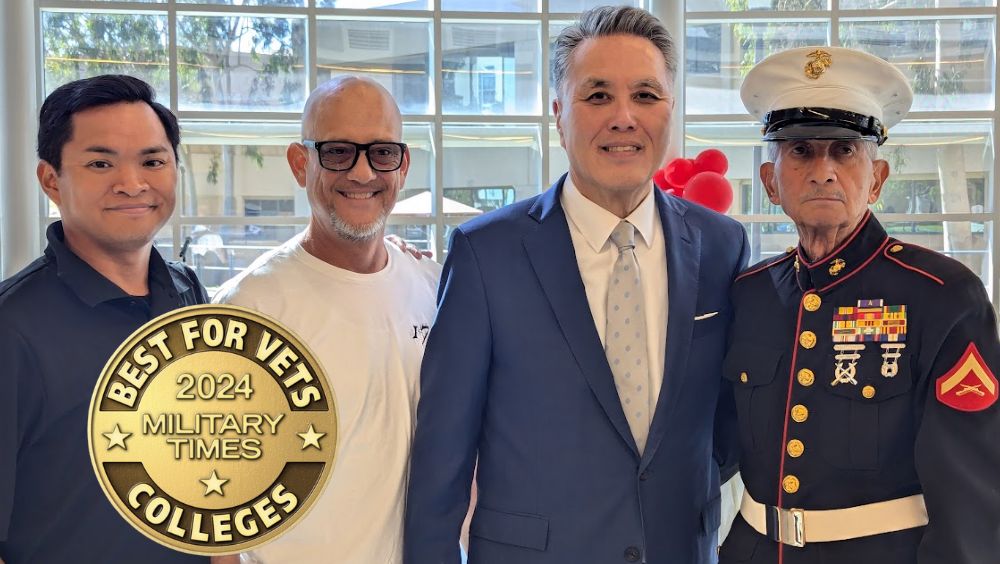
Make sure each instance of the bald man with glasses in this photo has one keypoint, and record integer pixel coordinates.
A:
(363, 306)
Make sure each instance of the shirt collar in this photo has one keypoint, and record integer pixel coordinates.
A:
(851, 256)
(596, 223)
(90, 285)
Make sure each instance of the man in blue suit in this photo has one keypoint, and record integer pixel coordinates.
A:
(580, 333)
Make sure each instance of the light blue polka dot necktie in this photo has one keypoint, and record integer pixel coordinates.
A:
(625, 335)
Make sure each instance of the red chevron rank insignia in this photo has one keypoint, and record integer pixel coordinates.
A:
(969, 385)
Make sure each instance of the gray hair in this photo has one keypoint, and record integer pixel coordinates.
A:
(609, 20)
(772, 148)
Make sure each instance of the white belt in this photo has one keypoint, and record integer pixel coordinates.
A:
(796, 527)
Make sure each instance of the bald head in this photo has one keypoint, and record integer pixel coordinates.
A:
(349, 98)
(349, 205)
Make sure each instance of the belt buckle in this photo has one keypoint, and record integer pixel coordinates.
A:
(791, 526)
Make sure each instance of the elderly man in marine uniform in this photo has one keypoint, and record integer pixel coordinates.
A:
(863, 366)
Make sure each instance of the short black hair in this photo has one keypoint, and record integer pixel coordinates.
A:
(55, 120)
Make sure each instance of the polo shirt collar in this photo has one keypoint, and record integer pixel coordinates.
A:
(90, 285)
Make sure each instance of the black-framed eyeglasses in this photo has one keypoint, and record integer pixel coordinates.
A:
(339, 156)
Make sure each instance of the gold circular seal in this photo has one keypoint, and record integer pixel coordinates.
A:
(212, 429)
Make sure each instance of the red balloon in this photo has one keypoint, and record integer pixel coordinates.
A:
(711, 190)
(711, 160)
(660, 180)
(678, 172)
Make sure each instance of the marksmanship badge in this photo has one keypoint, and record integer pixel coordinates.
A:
(212, 429)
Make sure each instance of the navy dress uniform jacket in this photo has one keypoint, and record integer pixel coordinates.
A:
(516, 374)
(814, 437)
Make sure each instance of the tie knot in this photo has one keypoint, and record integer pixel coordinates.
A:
(623, 236)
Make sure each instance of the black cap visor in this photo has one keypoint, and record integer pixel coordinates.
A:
(821, 123)
(815, 131)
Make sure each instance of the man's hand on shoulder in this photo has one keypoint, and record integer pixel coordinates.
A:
(407, 248)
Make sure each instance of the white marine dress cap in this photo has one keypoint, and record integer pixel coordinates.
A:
(826, 93)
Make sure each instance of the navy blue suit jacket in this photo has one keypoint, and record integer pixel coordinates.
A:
(515, 376)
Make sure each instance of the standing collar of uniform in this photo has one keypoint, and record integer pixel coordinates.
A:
(597, 223)
(849, 258)
(90, 285)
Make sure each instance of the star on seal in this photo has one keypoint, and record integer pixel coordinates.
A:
(117, 438)
(214, 484)
(311, 438)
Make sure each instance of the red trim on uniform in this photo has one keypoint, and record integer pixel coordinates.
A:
(857, 230)
(765, 267)
(913, 268)
(788, 407)
(859, 268)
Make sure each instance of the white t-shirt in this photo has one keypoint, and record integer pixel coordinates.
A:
(368, 332)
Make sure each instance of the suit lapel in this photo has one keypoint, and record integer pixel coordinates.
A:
(550, 250)
(683, 244)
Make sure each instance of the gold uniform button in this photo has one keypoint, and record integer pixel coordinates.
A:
(795, 448)
(895, 248)
(744, 377)
(800, 413)
(807, 339)
(790, 484)
(811, 302)
(806, 377)
(789, 249)
(868, 391)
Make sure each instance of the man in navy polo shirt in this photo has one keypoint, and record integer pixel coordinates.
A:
(108, 160)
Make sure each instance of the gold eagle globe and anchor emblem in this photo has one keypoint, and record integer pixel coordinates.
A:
(212, 429)
(836, 266)
(819, 61)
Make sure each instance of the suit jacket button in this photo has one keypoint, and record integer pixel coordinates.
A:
(632, 554)
(644, 475)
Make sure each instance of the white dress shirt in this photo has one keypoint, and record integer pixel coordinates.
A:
(590, 227)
